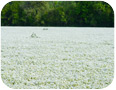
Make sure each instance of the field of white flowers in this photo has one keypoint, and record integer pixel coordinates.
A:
(61, 58)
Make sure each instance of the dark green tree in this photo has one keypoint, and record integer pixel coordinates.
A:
(58, 13)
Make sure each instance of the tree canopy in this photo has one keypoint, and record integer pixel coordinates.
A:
(58, 13)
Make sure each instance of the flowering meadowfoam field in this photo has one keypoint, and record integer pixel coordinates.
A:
(57, 58)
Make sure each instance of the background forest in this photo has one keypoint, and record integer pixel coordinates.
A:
(57, 13)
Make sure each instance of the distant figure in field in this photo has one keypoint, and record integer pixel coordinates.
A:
(33, 35)
(45, 28)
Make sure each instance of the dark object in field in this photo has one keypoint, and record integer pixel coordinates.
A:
(45, 28)
(33, 35)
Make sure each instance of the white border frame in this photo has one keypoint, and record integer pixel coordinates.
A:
(112, 3)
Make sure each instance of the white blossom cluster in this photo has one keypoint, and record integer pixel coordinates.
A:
(60, 58)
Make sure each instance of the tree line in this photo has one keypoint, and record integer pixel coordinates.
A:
(58, 13)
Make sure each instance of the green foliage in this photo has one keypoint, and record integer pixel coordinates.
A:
(13, 14)
(58, 13)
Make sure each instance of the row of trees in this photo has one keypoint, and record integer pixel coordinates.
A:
(58, 13)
